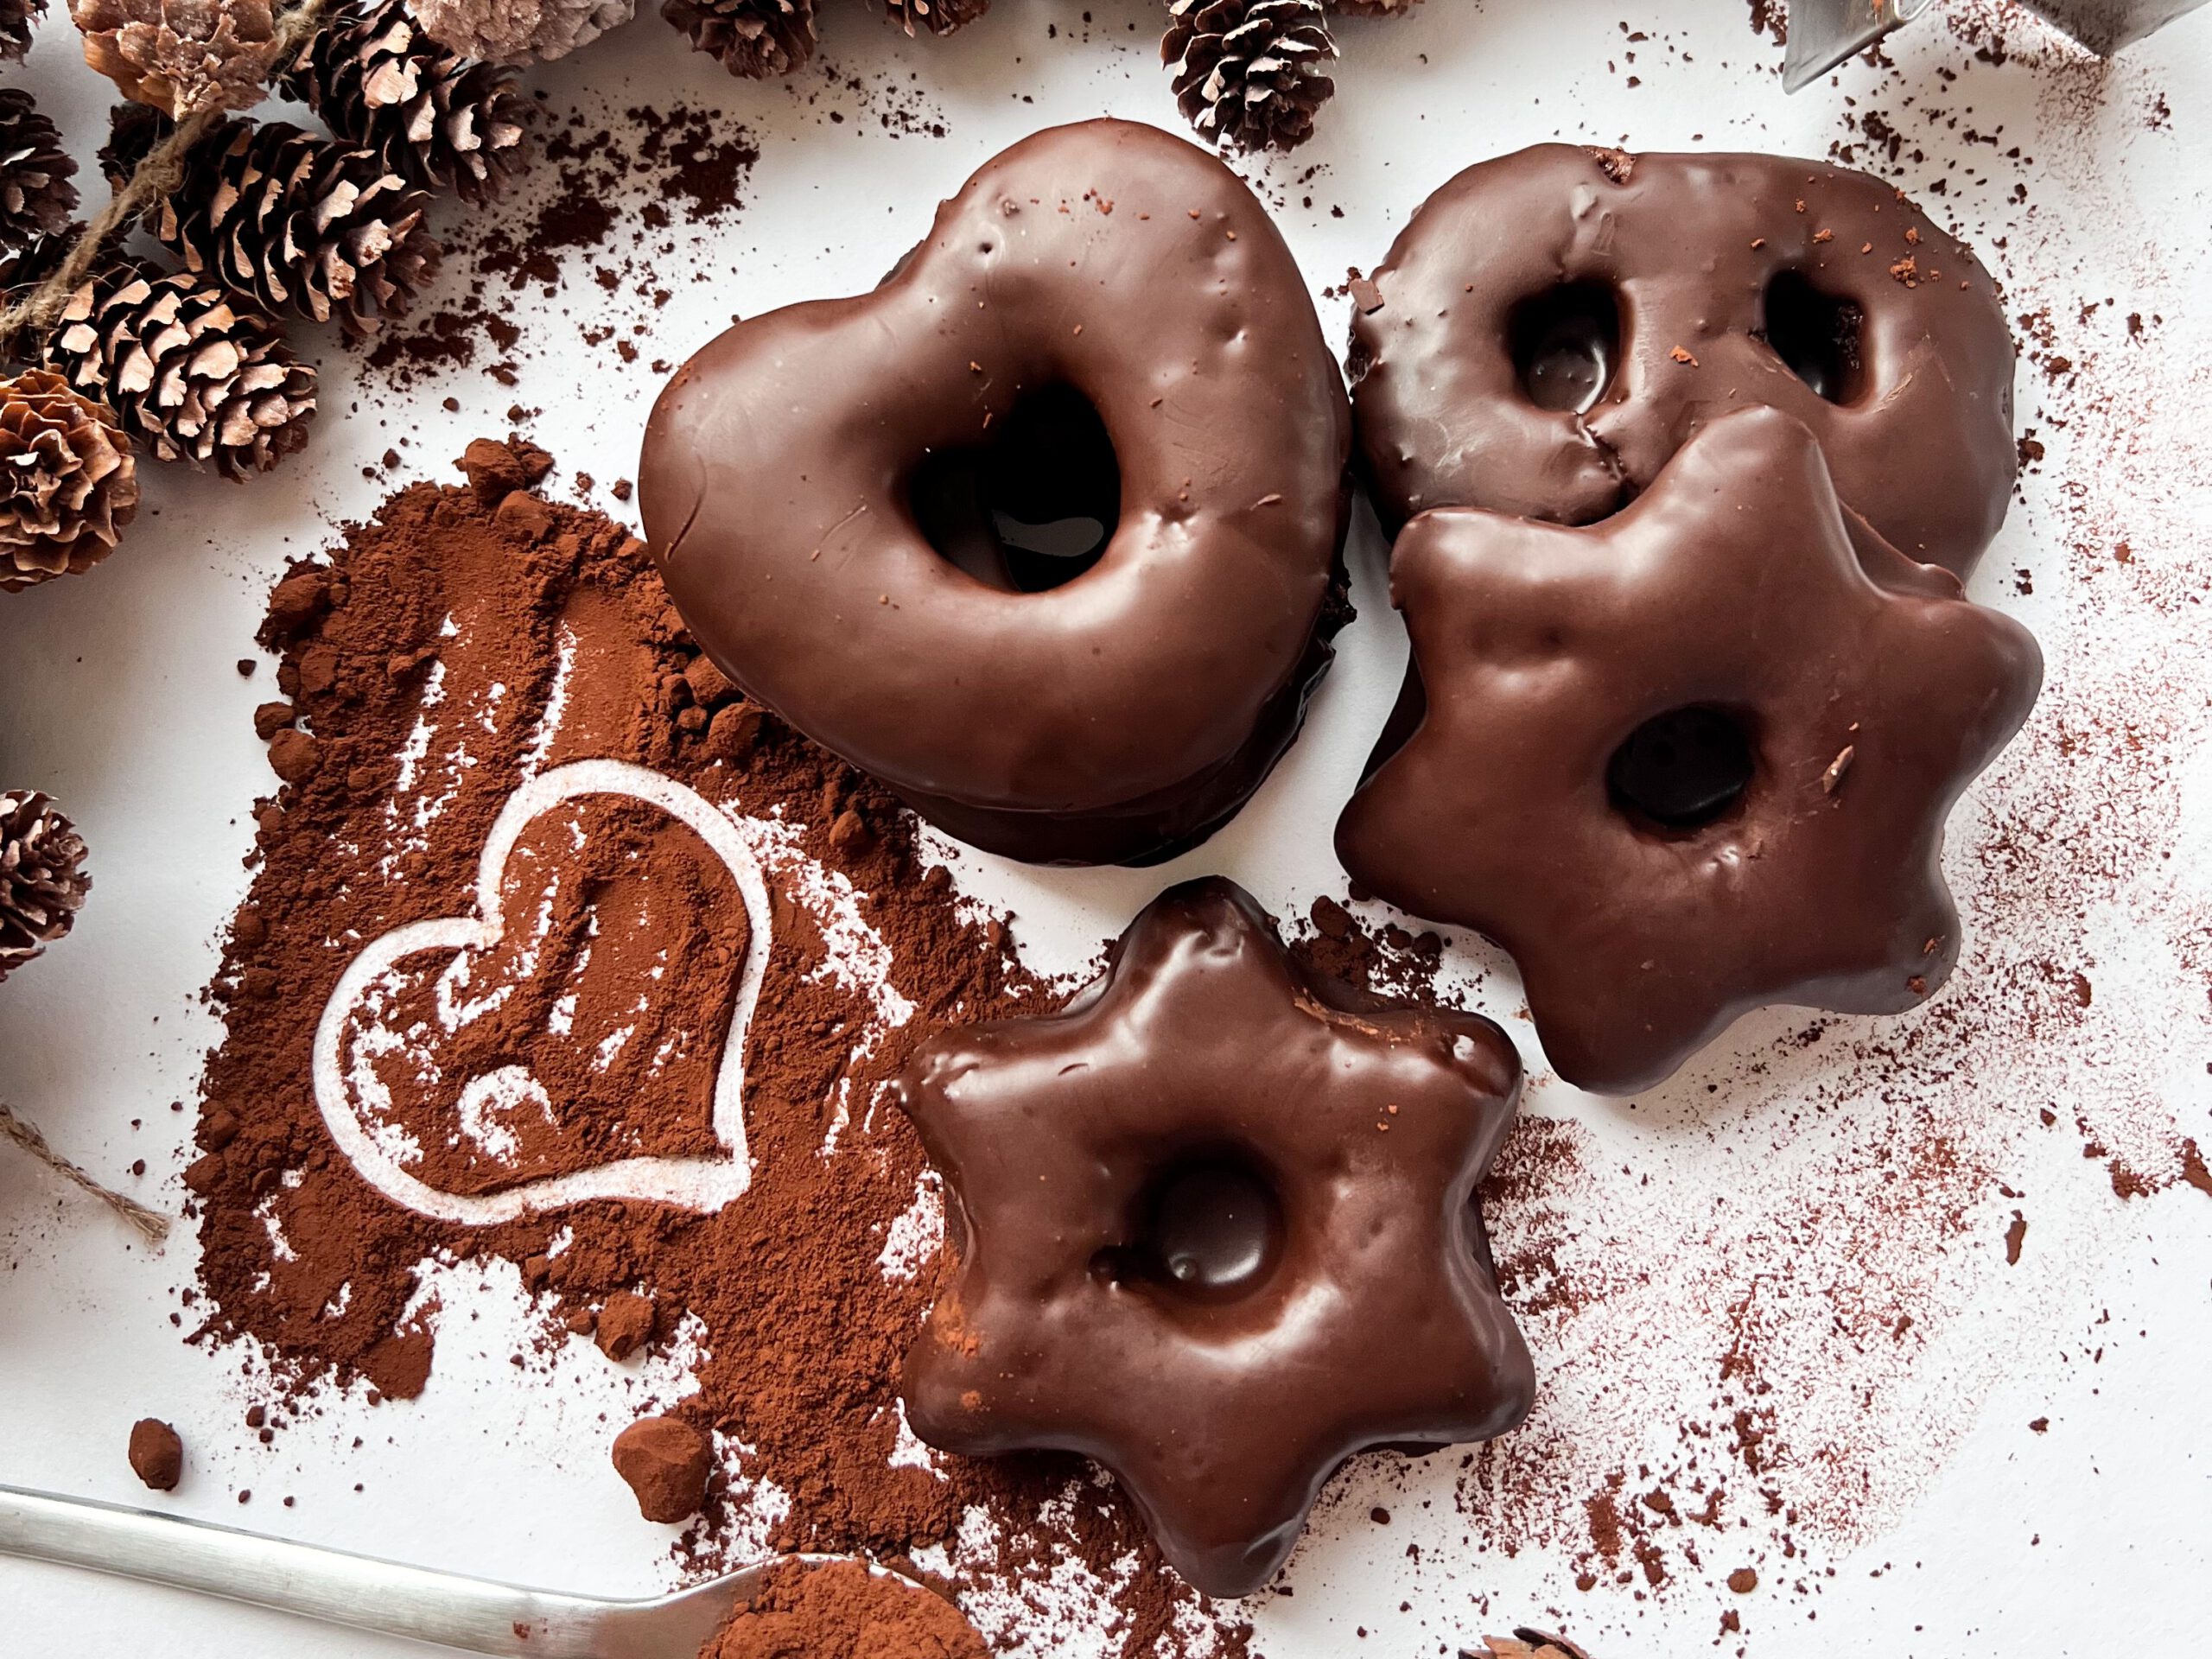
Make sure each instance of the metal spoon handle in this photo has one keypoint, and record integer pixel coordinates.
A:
(471, 1614)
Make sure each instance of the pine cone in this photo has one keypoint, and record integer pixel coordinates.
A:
(757, 39)
(440, 121)
(68, 483)
(938, 16)
(43, 879)
(16, 18)
(194, 376)
(295, 223)
(181, 57)
(37, 194)
(1248, 72)
(510, 31)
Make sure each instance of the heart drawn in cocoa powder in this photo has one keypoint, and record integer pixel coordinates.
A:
(700, 1184)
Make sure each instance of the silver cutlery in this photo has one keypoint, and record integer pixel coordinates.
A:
(472, 1615)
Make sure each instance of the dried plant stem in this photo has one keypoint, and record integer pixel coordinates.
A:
(151, 1223)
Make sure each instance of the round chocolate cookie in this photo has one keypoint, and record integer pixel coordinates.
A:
(1046, 531)
(1555, 324)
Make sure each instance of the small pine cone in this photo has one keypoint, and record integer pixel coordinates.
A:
(293, 222)
(16, 18)
(43, 879)
(938, 16)
(68, 483)
(440, 120)
(512, 31)
(757, 39)
(194, 376)
(181, 57)
(1248, 72)
(37, 192)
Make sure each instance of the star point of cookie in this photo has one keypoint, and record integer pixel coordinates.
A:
(1689, 761)
(1216, 1230)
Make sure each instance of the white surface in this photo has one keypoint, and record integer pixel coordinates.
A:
(117, 693)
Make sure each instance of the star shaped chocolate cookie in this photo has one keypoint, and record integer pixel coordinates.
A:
(1216, 1228)
(1690, 760)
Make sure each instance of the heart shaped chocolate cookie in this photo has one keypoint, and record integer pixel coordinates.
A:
(1044, 532)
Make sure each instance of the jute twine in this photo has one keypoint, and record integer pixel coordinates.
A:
(159, 175)
(151, 1223)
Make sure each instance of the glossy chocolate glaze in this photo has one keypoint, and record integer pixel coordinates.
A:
(1682, 287)
(1519, 792)
(1219, 1232)
(1122, 716)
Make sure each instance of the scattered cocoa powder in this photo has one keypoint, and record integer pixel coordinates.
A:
(627, 185)
(842, 1610)
(464, 641)
(2194, 1171)
(157, 1454)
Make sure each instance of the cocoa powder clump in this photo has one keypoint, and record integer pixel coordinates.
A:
(494, 470)
(626, 1324)
(667, 1463)
(157, 1454)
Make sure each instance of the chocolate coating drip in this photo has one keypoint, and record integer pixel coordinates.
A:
(867, 522)
(1689, 761)
(1731, 280)
(1219, 1232)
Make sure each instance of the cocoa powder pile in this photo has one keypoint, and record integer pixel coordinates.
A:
(844, 1612)
(466, 641)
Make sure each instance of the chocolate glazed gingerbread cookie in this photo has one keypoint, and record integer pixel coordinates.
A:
(1216, 1227)
(1553, 325)
(1045, 531)
(1689, 761)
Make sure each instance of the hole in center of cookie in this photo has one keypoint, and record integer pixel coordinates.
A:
(1034, 506)
(1212, 1229)
(1566, 342)
(1816, 335)
(1681, 770)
